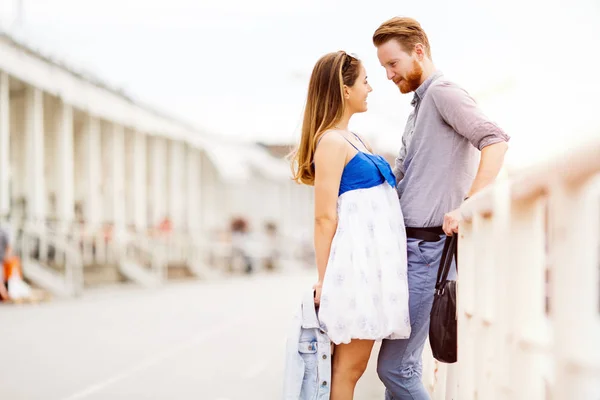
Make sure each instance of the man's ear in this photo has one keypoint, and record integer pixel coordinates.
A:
(419, 51)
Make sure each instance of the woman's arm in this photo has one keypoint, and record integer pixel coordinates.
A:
(330, 159)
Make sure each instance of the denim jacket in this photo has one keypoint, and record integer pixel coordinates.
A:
(308, 356)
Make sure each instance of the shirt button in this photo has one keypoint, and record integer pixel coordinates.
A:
(324, 383)
(324, 356)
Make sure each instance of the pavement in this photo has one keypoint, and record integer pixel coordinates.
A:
(222, 339)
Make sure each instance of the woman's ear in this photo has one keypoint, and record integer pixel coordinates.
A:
(346, 92)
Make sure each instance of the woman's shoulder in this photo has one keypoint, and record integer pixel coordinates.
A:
(331, 139)
(332, 149)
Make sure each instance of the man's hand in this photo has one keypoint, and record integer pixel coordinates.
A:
(451, 221)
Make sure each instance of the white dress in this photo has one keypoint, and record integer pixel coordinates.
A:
(365, 289)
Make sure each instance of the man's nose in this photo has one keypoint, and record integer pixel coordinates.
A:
(390, 73)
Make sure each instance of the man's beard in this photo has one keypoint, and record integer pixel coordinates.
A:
(413, 79)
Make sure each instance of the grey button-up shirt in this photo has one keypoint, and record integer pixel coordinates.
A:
(439, 156)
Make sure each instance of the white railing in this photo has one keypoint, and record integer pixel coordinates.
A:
(96, 244)
(64, 251)
(38, 250)
(145, 252)
(175, 248)
(529, 286)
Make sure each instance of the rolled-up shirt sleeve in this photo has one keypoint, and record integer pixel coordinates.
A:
(460, 111)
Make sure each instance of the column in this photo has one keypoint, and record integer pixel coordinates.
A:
(4, 145)
(286, 209)
(137, 187)
(34, 154)
(176, 169)
(115, 167)
(92, 205)
(157, 179)
(214, 198)
(193, 205)
(64, 164)
(17, 156)
(206, 179)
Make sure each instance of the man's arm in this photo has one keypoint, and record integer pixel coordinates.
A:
(492, 158)
(398, 168)
(460, 111)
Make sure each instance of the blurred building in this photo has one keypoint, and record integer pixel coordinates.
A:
(90, 176)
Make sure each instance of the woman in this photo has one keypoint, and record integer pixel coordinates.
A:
(360, 239)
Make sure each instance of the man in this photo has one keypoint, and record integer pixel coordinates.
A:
(436, 171)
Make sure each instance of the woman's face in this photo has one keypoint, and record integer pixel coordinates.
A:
(357, 94)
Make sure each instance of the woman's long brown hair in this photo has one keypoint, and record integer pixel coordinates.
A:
(324, 108)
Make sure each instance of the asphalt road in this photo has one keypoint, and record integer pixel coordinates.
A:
(218, 340)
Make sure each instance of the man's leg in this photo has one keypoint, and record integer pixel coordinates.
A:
(399, 365)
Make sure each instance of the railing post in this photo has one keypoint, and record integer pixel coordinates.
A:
(465, 310)
(79, 274)
(501, 271)
(527, 282)
(485, 298)
(440, 381)
(452, 382)
(576, 289)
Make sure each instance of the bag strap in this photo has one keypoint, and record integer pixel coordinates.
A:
(449, 253)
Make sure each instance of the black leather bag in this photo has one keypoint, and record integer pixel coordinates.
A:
(443, 326)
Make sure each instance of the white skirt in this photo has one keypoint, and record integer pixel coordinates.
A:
(365, 290)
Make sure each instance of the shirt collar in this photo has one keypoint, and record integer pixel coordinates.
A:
(420, 92)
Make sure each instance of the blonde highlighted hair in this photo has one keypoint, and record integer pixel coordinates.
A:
(325, 105)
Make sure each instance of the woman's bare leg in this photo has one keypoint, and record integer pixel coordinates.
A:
(349, 363)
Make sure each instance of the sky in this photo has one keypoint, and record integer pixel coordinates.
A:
(240, 68)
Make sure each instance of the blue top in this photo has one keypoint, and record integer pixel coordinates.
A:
(364, 171)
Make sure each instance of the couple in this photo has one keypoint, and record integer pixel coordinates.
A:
(379, 232)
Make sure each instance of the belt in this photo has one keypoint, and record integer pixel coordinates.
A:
(427, 234)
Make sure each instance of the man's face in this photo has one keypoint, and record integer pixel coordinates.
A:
(402, 68)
